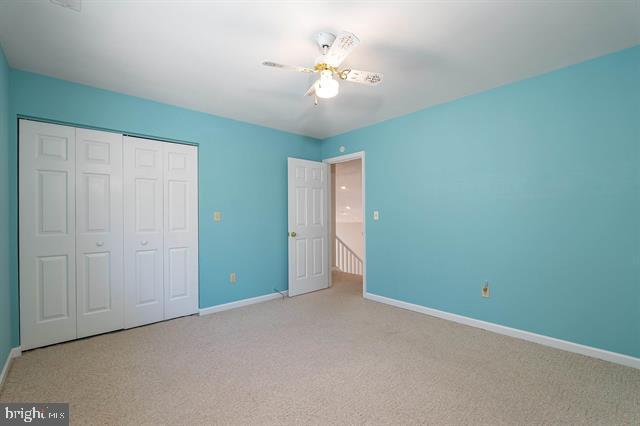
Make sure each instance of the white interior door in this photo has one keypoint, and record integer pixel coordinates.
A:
(143, 223)
(47, 233)
(308, 229)
(180, 230)
(99, 232)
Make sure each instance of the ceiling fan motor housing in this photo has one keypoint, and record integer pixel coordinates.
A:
(321, 61)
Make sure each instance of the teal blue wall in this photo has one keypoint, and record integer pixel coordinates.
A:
(534, 186)
(242, 172)
(5, 212)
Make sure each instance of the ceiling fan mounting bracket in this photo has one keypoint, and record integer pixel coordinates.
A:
(325, 40)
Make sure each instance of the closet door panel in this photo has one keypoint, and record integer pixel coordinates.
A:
(144, 238)
(181, 230)
(47, 233)
(99, 232)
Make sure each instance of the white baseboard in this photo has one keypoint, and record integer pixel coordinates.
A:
(614, 357)
(240, 303)
(13, 353)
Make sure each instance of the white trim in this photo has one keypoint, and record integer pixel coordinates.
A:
(13, 353)
(342, 159)
(241, 303)
(590, 351)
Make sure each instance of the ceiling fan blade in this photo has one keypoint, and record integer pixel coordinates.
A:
(344, 43)
(363, 77)
(312, 90)
(287, 67)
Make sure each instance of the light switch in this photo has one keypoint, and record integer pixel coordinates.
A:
(376, 215)
(217, 216)
(233, 278)
(485, 289)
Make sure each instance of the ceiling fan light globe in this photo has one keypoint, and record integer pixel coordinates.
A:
(326, 88)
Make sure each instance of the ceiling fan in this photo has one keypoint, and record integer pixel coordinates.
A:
(334, 49)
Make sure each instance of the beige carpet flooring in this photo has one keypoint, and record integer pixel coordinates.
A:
(329, 357)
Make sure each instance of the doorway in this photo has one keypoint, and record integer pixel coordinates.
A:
(347, 224)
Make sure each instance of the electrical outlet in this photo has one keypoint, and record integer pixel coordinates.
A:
(485, 289)
(217, 216)
(233, 278)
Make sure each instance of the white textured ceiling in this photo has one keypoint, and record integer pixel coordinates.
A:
(206, 55)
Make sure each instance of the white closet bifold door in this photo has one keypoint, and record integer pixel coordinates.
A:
(180, 230)
(143, 225)
(47, 233)
(99, 232)
(108, 232)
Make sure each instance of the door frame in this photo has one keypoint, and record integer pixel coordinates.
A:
(342, 159)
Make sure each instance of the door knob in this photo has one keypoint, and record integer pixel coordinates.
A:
(100, 243)
(144, 242)
(293, 234)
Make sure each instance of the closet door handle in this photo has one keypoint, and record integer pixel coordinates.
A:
(144, 242)
(100, 243)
